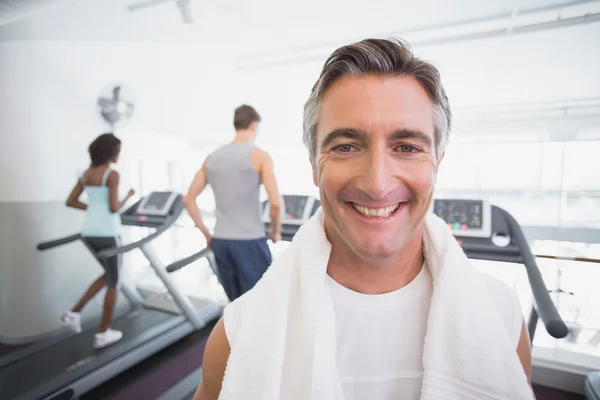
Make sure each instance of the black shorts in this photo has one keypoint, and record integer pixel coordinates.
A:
(111, 264)
(241, 263)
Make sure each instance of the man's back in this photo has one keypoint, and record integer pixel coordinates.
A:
(236, 184)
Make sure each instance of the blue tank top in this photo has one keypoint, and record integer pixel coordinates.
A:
(236, 186)
(99, 220)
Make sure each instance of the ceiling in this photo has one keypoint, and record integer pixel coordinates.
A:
(242, 26)
(12, 10)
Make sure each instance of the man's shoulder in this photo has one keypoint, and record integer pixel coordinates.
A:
(217, 154)
(260, 159)
(234, 313)
(507, 304)
(260, 152)
(497, 287)
(222, 148)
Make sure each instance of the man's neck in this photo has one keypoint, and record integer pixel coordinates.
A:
(243, 135)
(377, 276)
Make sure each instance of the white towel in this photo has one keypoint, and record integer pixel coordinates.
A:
(285, 344)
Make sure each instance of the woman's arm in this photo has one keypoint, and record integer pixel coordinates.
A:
(73, 200)
(113, 192)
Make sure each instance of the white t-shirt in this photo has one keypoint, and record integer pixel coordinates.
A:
(380, 338)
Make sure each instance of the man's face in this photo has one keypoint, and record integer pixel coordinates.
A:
(376, 165)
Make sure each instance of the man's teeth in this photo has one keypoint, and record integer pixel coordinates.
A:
(376, 212)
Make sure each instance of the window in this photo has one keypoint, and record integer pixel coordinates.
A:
(543, 184)
(460, 167)
(509, 165)
(581, 209)
(582, 165)
(551, 165)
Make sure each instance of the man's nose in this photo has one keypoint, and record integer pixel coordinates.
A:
(379, 173)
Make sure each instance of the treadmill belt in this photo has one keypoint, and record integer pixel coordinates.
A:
(71, 359)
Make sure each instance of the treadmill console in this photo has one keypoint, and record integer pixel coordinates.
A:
(296, 211)
(157, 203)
(465, 218)
(155, 210)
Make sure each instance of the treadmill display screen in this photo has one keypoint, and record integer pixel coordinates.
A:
(157, 200)
(460, 214)
(157, 203)
(294, 207)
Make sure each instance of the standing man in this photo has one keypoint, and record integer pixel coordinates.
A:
(373, 299)
(235, 172)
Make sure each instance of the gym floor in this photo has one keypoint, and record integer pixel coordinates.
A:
(156, 375)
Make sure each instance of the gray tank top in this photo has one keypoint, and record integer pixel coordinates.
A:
(236, 186)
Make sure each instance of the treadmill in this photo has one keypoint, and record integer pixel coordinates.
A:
(71, 367)
(484, 231)
(488, 232)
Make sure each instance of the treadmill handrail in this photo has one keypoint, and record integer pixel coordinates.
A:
(58, 242)
(543, 303)
(113, 251)
(177, 265)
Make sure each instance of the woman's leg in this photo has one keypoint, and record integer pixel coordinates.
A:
(105, 335)
(109, 306)
(89, 294)
(111, 266)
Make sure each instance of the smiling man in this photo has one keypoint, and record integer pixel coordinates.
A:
(380, 280)
(375, 164)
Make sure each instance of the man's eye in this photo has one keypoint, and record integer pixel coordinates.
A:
(344, 148)
(407, 148)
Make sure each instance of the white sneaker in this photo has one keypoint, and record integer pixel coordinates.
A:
(72, 321)
(110, 336)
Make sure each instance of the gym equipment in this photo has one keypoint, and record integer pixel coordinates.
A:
(116, 104)
(296, 211)
(71, 367)
(487, 232)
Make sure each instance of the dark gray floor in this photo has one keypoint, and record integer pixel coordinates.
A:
(7, 348)
(543, 393)
(156, 375)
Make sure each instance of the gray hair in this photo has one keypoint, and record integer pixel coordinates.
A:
(386, 58)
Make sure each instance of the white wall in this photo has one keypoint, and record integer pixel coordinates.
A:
(49, 92)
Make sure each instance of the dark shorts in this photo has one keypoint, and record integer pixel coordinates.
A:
(111, 264)
(241, 263)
